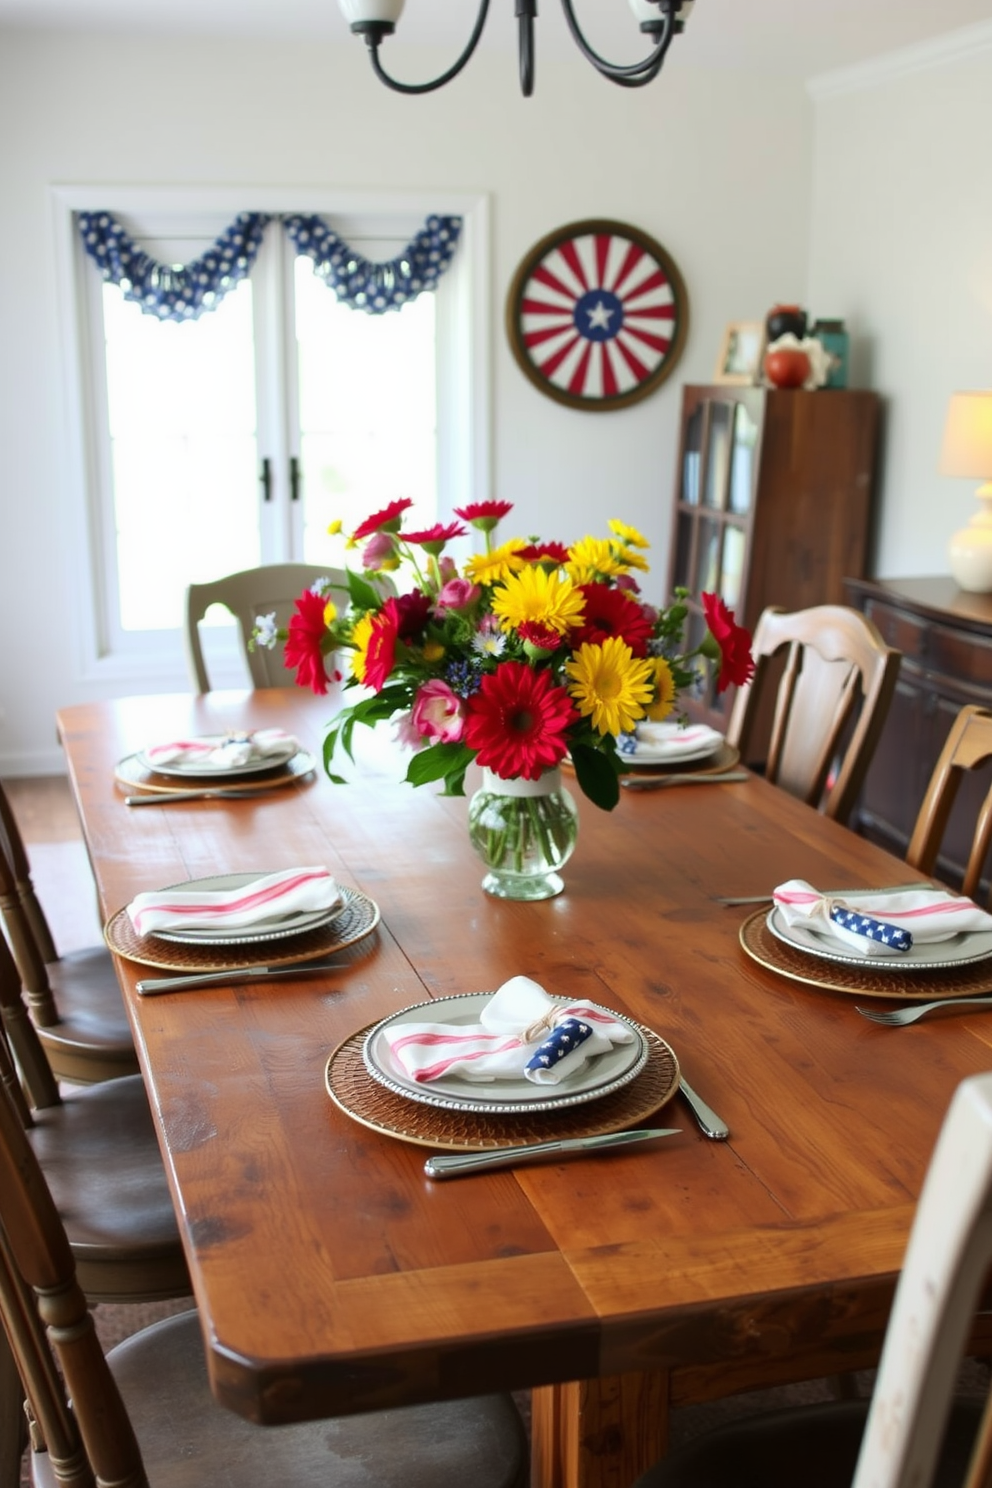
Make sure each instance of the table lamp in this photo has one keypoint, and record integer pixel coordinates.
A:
(967, 450)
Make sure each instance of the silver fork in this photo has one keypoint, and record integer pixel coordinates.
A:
(899, 1017)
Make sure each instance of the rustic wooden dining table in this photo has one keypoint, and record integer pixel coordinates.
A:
(333, 1276)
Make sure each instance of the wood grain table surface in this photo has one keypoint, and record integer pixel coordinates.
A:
(332, 1276)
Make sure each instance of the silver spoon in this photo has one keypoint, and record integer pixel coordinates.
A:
(709, 1123)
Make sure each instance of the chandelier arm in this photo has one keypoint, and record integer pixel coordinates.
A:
(637, 73)
(372, 42)
(526, 11)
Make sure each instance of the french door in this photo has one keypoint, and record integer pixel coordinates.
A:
(239, 438)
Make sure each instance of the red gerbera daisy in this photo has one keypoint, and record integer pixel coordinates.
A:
(412, 611)
(388, 517)
(732, 640)
(611, 612)
(552, 552)
(381, 652)
(517, 720)
(434, 538)
(541, 636)
(303, 644)
(484, 514)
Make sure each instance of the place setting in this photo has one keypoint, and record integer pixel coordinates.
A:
(205, 928)
(513, 1073)
(910, 943)
(672, 753)
(241, 763)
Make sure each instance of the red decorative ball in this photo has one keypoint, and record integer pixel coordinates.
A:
(787, 367)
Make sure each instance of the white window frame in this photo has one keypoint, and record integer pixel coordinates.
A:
(463, 372)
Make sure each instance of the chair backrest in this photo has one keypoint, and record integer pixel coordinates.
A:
(832, 701)
(24, 1066)
(82, 1422)
(28, 955)
(248, 595)
(12, 846)
(968, 745)
(945, 1266)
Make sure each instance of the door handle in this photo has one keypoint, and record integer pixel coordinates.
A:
(294, 478)
(265, 478)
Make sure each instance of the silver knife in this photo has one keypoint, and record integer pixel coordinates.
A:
(453, 1165)
(655, 782)
(230, 974)
(166, 798)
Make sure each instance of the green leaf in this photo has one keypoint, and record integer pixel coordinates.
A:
(361, 593)
(439, 762)
(597, 775)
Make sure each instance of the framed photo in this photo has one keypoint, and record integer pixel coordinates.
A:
(741, 353)
(597, 315)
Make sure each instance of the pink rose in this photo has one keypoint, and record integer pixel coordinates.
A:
(438, 714)
(447, 568)
(457, 594)
(378, 550)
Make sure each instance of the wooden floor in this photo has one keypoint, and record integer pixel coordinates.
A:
(47, 819)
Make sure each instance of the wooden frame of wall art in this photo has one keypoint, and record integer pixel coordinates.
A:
(741, 353)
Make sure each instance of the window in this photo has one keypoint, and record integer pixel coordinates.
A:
(235, 439)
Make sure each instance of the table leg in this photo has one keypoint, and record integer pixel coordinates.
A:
(600, 1433)
(12, 1423)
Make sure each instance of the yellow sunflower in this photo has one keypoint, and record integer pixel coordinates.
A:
(627, 534)
(492, 568)
(542, 598)
(610, 685)
(665, 690)
(591, 558)
(361, 635)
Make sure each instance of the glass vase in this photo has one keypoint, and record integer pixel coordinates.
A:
(524, 831)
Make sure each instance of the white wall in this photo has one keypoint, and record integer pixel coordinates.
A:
(716, 167)
(901, 245)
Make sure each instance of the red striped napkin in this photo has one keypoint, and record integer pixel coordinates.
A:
(269, 897)
(222, 753)
(511, 1029)
(930, 915)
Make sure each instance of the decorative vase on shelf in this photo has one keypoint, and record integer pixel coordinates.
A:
(785, 320)
(524, 831)
(787, 366)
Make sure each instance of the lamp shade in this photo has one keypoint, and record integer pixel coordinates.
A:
(967, 450)
(371, 10)
(967, 447)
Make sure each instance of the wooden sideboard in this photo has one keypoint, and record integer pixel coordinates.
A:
(945, 636)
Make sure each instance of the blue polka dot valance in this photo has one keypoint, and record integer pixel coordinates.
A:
(376, 287)
(185, 292)
(164, 290)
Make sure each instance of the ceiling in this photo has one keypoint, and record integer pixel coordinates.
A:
(801, 38)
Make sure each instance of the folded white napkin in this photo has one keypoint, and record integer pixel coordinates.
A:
(269, 897)
(668, 741)
(522, 1034)
(222, 754)
(926, 915)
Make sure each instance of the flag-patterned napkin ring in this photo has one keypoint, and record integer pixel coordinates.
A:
(565, 1039)
(885, 934)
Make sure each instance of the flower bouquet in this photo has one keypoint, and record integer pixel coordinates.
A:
(529, 653)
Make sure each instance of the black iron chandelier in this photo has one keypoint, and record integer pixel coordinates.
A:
(659, 19)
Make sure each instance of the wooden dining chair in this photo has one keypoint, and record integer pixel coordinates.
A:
(898, 1439)
(968, 746)
(271, 589)
(97, 1146)
(143, 1414)
(75, 1000)
(832, 700)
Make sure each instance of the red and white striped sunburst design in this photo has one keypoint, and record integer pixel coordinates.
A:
(597, 315)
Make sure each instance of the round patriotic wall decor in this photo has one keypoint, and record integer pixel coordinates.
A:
(597, 315)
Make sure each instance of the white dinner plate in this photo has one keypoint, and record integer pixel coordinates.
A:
(274, 929)
(675, 748)
(603, 1074)
(202, 770)
(960, 950)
